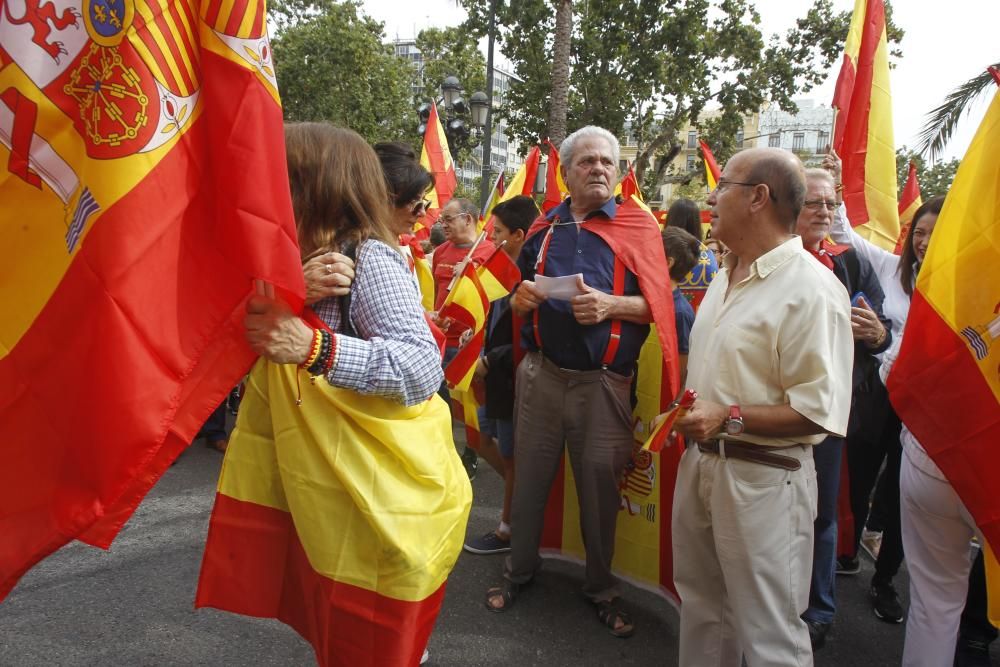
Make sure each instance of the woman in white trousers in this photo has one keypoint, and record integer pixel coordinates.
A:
(937, 530)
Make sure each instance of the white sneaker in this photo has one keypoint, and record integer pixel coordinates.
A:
(425, 657)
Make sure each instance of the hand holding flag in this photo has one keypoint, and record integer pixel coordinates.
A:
(675, 411)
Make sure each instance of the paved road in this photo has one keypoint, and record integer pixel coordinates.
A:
(133, 605)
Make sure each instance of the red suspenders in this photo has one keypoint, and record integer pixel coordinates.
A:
(614, 336)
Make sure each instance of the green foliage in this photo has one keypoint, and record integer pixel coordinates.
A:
(934, 179)
(654, 66)
(320, 47)
(451, 52)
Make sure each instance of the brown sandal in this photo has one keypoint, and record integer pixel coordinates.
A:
(508, 592)
(610, 613)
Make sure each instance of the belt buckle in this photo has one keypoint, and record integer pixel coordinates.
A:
(722, 448)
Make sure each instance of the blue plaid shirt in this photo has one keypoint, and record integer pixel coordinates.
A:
(395, 355)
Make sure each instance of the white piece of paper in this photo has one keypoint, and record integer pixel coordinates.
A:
(563, 287)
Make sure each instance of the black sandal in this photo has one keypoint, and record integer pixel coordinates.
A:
(508, 592)
(609, 612)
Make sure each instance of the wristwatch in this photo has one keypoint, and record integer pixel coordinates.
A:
(734, 425)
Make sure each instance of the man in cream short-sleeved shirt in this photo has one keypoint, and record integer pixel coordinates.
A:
(770, 358)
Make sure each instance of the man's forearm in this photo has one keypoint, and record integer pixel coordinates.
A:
(777, 421)
(631, 309)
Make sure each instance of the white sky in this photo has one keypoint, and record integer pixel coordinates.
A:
(945, 44)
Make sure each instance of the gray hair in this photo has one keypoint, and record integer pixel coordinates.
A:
(590, 131)
(815, 173)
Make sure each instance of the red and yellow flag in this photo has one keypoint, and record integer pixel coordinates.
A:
(436, 158)
(909, 202)
(143, 188)
(498, 275)
(523, 182)
(945, 384)
(466, 303)
(329, 519)
(863, 132)
(712, 171)
(629, 186)
(642, 544)
(555, 187)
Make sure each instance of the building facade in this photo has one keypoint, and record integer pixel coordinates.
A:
(503, 155)
(807, 133)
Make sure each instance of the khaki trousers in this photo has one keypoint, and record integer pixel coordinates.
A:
(589, 413)
(743, 547)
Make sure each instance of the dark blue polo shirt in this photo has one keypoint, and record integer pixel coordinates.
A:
(566, 342)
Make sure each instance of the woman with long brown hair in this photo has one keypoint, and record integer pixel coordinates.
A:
(343, 452)
(341, 203)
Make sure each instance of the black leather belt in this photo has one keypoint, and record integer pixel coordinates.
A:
(745, 452)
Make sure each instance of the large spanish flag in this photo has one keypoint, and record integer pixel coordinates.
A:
(329, 519)
(945, 384)
(143, 188)
(643, 551)
(436, 158)
(863, 134)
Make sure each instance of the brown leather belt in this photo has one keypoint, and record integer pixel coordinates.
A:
(756, 453)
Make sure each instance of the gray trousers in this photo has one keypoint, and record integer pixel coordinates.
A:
(588, 412)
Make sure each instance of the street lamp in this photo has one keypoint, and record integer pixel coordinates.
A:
(480, 107)
(451, 89)
(456, 110)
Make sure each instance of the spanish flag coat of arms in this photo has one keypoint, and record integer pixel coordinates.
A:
(142, 188)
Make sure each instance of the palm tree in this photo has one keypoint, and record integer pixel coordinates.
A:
(559, 100)
(941, 121)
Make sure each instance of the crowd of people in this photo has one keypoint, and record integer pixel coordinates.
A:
(786, 322)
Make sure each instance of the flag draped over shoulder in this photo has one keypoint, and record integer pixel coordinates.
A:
(329, 519)
(909, 202)
(642, 547)
(555, 187)
(863, 134)
(712, 171)
(945, 384)
(143, 187)
(436, 158)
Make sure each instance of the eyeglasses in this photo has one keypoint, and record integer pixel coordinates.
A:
(449, 218)
(820, 204)
(420, 207)
(723, 183)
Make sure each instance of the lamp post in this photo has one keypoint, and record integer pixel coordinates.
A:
(486, 185)
(456, 110)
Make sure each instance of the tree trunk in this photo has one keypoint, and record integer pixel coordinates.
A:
(559, 100)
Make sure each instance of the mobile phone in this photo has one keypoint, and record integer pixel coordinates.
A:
(856, 299)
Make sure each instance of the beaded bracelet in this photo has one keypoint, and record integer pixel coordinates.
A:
(316, 367)
(315, 348)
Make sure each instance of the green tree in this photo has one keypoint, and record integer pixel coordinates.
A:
(450, 52)
(320, 47)
(653, 67)
(941, 122)
(934, 179)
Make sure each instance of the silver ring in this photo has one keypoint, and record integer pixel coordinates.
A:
(329, 268)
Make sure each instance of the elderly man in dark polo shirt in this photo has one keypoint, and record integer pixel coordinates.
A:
(573, 387)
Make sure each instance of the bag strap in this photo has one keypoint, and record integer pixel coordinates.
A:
(347, 328)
